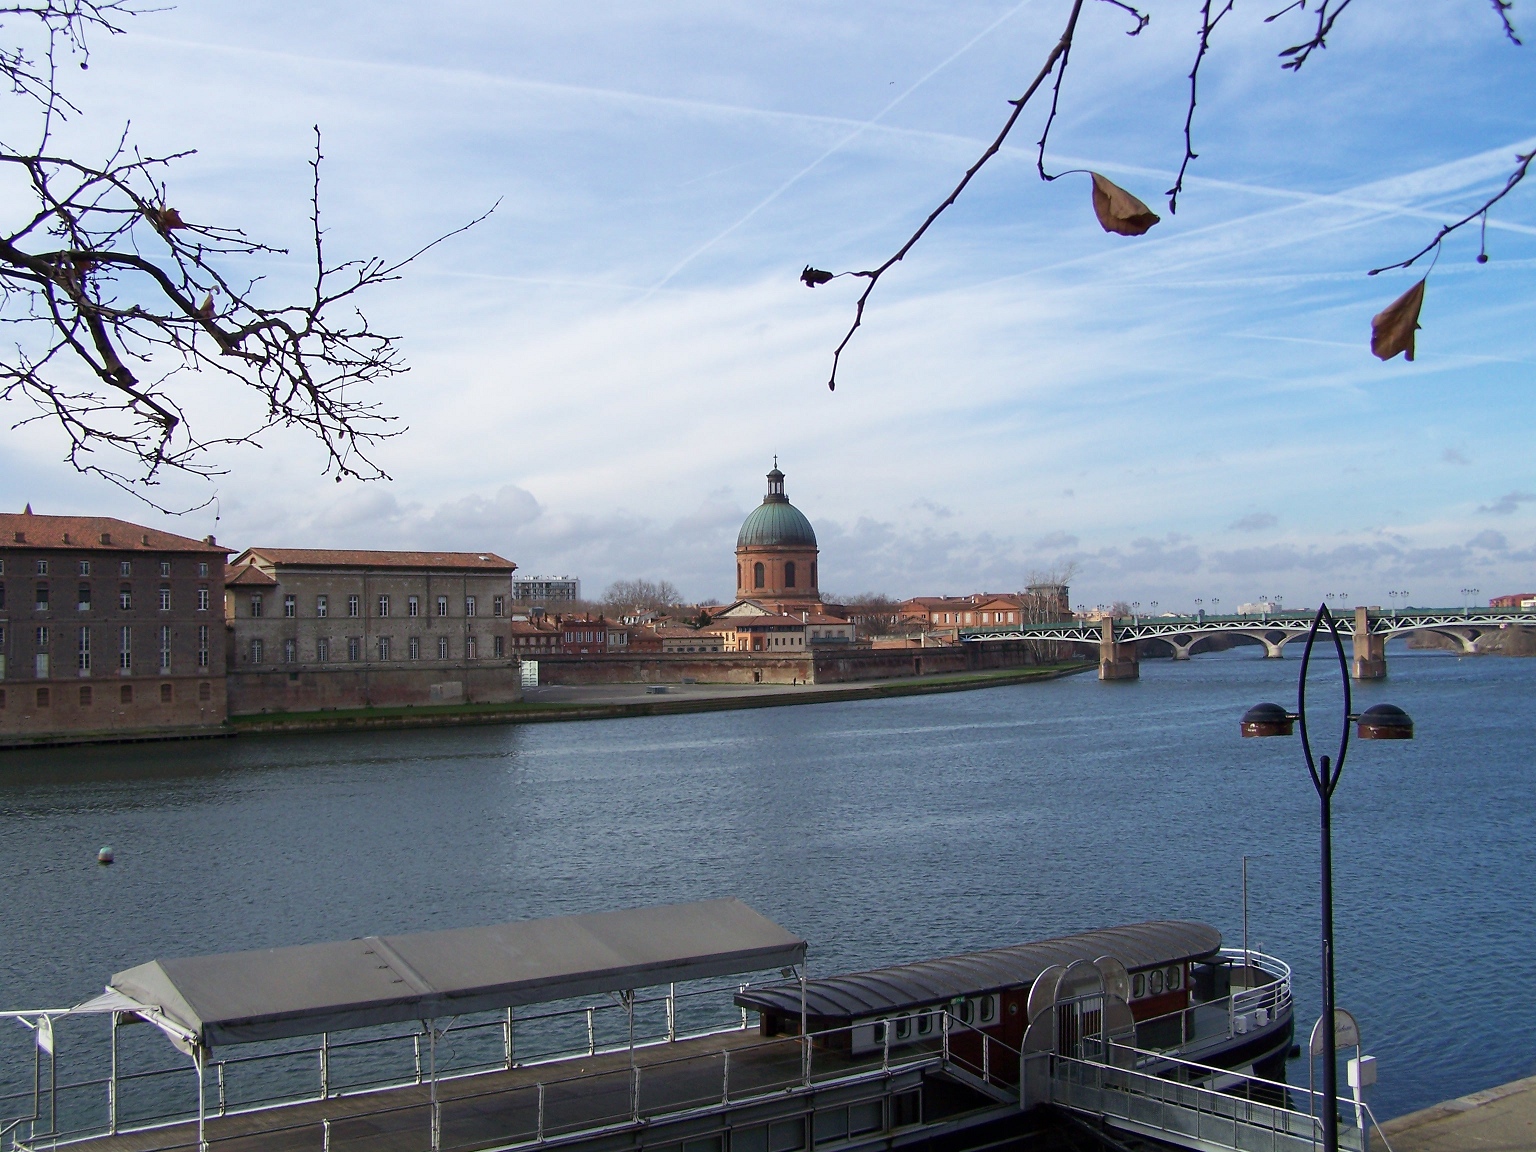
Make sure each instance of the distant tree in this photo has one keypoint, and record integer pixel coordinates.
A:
(641, 595)
(873, 613)
(117, 304)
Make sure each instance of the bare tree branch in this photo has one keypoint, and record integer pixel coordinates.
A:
(1503, 8)
(116, 302)
(1523, 164)
(1327, 12)
(1207, 26)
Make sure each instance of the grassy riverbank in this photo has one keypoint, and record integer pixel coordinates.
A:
(699, 698)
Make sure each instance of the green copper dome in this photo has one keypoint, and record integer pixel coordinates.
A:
(776, 523)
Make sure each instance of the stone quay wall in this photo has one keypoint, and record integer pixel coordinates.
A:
(308, 690)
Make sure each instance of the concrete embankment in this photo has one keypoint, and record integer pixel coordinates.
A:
(553, 704)
(1502, 1118)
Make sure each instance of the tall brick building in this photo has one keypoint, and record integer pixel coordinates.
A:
(107, 628)
(776, 554)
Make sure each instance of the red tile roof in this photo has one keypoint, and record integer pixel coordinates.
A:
(357, 558)
(94, 533)
(247, 574)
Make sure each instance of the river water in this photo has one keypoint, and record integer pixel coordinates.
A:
(881, 831)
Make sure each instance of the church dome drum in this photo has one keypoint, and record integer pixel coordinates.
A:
(776, 523)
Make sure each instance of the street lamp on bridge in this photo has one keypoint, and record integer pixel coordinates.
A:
(1378, 722)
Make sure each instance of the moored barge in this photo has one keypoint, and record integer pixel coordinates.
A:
(464, 1039)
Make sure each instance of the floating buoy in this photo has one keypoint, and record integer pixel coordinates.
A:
(104, 856)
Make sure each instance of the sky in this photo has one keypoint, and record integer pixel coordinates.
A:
(604, 369)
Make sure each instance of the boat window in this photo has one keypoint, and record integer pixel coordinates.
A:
(754, 1139)
(879, 1031)
(1138, 985)
(1175, 978)
(1156, 981)
(967, 1011)
(988, 1009)
(703, 1144)
(924, 1023)
(786, 1135)
(903, 1027)
(866, 1117)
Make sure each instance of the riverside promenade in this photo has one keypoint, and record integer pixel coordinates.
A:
(1501, 1119)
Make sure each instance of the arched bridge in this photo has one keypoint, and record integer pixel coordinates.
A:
(1369, 629)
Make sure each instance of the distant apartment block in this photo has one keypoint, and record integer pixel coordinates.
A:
(545, 589)
(334, 628)
(107, 628)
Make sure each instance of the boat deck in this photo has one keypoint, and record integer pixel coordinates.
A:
(508, 1107)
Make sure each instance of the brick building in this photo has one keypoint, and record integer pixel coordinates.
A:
(334, 628)
(107, 628)
(776, 554)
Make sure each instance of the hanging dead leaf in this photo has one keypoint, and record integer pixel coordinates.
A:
(1393, 327)
(166, 219)
(811, 277)
(1118, 211)
(205, 309)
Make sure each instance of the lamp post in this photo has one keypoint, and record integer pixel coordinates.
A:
(1378, 722)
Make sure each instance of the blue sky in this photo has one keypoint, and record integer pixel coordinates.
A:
(604, 369)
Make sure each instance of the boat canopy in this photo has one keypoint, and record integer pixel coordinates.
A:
(930, 982)
(274, 993)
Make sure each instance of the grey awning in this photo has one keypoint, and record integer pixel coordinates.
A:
(907, 986)
(313, 988)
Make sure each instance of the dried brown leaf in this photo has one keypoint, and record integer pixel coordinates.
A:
(1118, 211)
(1393, 327)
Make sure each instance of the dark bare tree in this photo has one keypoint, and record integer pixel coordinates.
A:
(116, 303)
(1117, 210)
(640, 595)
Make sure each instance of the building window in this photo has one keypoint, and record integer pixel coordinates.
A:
(354, 605)
(442, 647)
(165, 599)
(413, 606)
(471, 648)
(85, 568)
(290, 607)
(165, 647)
(321, 607)
(757, 574)
(85, 695)
(125, 648)
(83, 659)
(258, 651)
(255, 604)
(202, 645)
(442, 605)
(498, 605)
(202, 599)
(205, 691)
(165, 568)
(383, 647)
(789, 574)
(125, 598)
(2, 595)
(383, 605)
(469, 605)
(165, 693)
(125, 694)
(125, 568)
(290, 651)
(813, 573)
(413, 648)
(42, 597)
(354, 648)
(499, 645)
(322, 650)
(83, 598)
(44, 697)
(202, 569)
(42, 567)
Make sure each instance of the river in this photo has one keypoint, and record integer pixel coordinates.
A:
(881, 831)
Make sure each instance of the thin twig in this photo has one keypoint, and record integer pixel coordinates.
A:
(1502, 7)
(873, 275)
(1522, 166)
(1207, 26)
(1326, 15)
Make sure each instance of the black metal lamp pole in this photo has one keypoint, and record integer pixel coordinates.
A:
(1379, 722)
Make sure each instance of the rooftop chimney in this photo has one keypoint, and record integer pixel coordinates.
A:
(209, 540)
(21, 537)
(106, 537)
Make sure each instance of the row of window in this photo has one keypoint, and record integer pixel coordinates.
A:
(42, 664)
(87, 695)
(382, 607)
(124, 598)
(1157, 981)
(923, 1022)
(124, 568)
(384, 646)
(760, 574)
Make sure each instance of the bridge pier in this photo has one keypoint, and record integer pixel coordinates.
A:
(1370, 661)
(1116, 661)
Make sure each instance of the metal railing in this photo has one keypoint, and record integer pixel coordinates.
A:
(1222, 1018)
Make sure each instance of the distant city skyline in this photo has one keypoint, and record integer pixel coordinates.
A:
(1194, 413)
